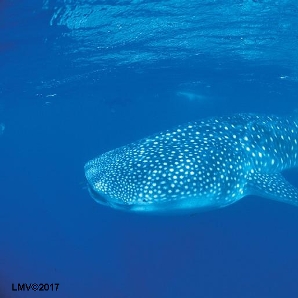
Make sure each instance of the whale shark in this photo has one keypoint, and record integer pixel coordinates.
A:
(199, 166)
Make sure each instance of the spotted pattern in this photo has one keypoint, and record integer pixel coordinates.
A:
(200, 165)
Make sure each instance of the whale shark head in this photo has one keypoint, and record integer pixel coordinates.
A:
(118, 179)
(109, 182)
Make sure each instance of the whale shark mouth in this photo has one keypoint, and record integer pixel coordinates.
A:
(102, 199)
(96, 196)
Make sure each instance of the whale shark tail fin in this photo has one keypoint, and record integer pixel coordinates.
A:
(274, 187)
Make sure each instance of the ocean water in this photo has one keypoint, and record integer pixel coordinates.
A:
(79, 78)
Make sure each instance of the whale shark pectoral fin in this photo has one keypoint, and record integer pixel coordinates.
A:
(274, 187)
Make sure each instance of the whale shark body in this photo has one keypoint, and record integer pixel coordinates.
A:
(199, 166)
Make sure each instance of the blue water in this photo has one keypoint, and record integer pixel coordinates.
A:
(79, 78)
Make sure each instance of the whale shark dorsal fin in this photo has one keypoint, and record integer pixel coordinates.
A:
(274, 187)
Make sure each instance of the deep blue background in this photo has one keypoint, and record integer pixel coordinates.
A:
(60, 112)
